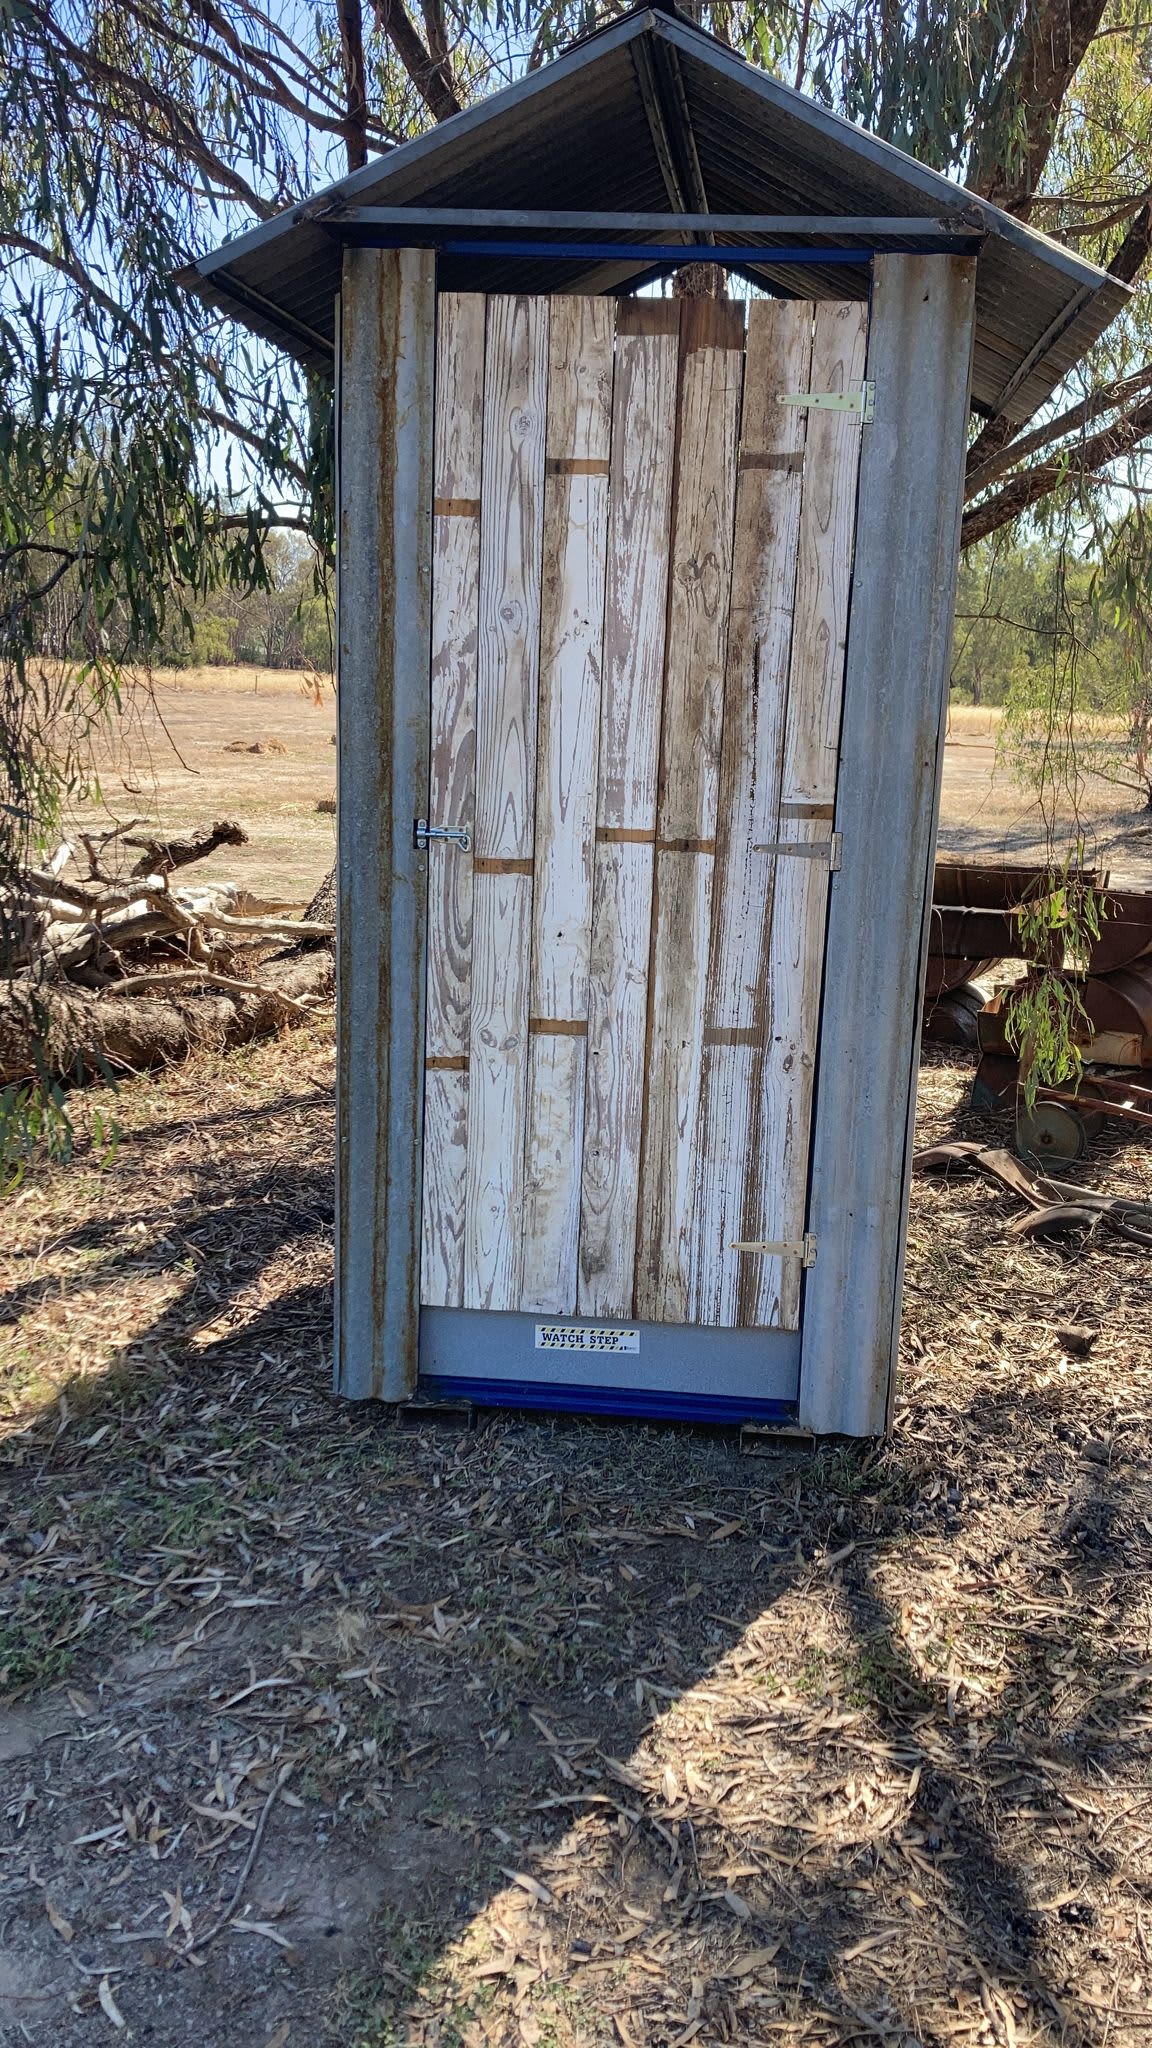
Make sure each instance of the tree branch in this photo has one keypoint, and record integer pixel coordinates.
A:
(432, 81)
(307, 77)
(1132, 254)
(1053, 41)
(75, 272)
(999, 444)
(1023, 491)
(1108, 399)
(355, 82)
(182, 134)
(231, 522)
(252, 69)
(436, 32)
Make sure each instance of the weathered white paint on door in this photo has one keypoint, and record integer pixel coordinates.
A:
(641, 580)
(571, 643)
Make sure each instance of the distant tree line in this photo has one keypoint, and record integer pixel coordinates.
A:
(1060, 642)
(285, 623)
(281, 620)
(1023, 605)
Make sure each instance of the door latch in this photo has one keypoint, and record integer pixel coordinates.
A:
(446, 835)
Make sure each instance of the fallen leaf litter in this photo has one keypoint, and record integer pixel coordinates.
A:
(555, 1733)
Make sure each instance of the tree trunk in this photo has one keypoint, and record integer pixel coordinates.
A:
(1051, 46)
(69, 1035)
(322, 909)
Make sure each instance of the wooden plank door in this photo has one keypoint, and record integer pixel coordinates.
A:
(642, 560)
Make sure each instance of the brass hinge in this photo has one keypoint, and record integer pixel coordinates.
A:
(862, 401)
(802, 1248)
(829, 850)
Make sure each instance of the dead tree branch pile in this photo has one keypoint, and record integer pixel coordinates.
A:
(117, 969)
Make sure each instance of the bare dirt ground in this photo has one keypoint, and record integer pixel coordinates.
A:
(252, 744)
(985, 814)
(323, 1730)
(316, 1729)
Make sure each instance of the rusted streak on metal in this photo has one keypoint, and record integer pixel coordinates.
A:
(385, 487)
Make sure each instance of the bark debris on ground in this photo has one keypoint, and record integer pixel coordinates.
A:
(318, 1729)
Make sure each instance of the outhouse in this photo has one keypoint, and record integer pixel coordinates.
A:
(644, 618)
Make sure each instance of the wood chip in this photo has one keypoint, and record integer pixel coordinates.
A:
(536, 1891)
(62, 1926)
(755, 1959)
(108, 2004)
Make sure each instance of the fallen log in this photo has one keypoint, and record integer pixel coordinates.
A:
(160, 856)
(89, 924)
(69, 1034)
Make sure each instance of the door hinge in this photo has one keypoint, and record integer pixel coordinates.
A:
(802, 1248)
(829, 850)
(451, 835)
(862, 401)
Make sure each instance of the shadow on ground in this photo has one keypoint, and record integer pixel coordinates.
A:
(323, 1729)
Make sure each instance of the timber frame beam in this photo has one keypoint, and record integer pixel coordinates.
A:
(385, 369)
(350, 220)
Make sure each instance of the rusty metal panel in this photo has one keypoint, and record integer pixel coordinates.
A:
(948, 971)
(1119, 1011)
(973, 904)
(1125, 932)
(1122, 1002)
(387, 357)
(973, 934)
(991, 884)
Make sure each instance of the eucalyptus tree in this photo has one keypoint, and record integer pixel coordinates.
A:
(147, 450)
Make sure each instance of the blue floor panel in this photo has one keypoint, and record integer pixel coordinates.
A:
(573, 1399)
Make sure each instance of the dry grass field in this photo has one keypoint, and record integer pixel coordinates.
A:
(186, 755)
(251, 744)
(985, 813)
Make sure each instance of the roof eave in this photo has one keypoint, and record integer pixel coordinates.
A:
(1093, 296)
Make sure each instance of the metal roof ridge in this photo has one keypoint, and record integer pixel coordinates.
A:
(674, 30)
(684, 36)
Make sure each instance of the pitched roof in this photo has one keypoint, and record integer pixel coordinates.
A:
(654, 114)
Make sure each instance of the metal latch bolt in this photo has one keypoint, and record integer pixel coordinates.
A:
(803, 1248)
(829, 850)
(862, 401)
(451, 835)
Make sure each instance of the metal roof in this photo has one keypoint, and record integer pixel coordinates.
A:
(650, 114)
